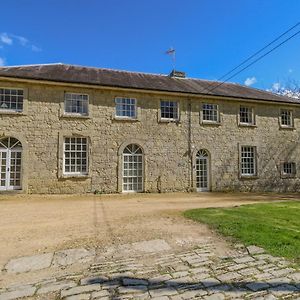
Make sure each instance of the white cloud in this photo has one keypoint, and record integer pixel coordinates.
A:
(2, 61)
(9, 39)
(35, 48)
(276, 86)
(250, 81)
(21, 39)
(5, 39)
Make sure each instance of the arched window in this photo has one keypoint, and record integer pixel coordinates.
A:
(202, 170)
(10, 163)
(133, 168)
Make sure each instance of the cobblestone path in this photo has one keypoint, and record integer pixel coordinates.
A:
(199, 273)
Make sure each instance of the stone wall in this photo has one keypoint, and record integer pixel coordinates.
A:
(166, 145)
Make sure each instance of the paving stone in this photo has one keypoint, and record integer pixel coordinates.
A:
(189, 295)
(257, 286)
(169, 291)
(237, 267)
(159, 279)
(244, 259)
(78, 297)
(134, 281)
(93, 280)
(279, 281)
(80, 290)
(210, 282)
(255, 250)
(249, 271)
(132, 289)
(55, 286)
(217, 296)
(25, 291)
(284, 289)
(295, 277)
(282, 272)
(29, 263)
(229, 276)
(179, 274)
(71, 256)
(263, 276)
(100, 294)
(270, 297)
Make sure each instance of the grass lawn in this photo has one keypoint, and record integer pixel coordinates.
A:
(273, 226)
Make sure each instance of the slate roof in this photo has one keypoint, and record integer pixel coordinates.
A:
(124, 79)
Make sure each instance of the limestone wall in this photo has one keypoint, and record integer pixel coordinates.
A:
(166, 145)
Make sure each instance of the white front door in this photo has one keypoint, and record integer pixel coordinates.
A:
(10, 166)
(202, 171)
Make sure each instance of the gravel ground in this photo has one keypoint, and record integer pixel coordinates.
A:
(35, 224)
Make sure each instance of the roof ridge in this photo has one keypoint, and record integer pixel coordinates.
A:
(33, 65)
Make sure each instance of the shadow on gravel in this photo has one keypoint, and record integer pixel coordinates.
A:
(210, 285)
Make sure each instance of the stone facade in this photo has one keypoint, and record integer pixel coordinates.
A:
(169, 147)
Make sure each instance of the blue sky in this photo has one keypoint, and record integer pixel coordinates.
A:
(210, 36)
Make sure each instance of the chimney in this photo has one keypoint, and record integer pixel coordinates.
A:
(177, 74)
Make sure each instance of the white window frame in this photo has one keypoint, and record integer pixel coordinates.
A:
(288, 165)
(214, 109)
(161, 111)
(70, 113)
(242, 161)
(250, 113)
(75, 173)
(291, 119)
(124, 110)
(3, 94)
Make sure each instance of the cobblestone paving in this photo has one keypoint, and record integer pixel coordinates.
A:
(194, 274)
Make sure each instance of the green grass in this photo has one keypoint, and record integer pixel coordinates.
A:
(273, 226)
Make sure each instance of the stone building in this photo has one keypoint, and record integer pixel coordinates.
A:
(73, 129)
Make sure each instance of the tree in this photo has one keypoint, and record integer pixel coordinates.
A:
(290, 89)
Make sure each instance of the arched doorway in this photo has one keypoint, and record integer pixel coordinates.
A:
(133, 169)
(10, 164)
(202, 171)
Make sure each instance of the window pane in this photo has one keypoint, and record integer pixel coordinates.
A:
(248, 160)
(76, 103)
(286, 117)
(210, 112)
(246, 115)
(11, 99)
(169, 110)
(125, 107)
(76, 149)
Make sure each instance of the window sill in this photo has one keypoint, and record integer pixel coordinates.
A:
(74, 176)
(15, 113)
(210, 123)
(283, 127)
(124, 119)
(246, 177)
(247, 125)
(75, 116)
(292, 176)
(169, 121)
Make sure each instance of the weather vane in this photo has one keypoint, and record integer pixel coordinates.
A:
(172, 53)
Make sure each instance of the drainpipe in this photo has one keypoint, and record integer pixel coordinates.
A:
(190, 148)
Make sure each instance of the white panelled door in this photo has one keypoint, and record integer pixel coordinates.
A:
(10, 164)
(202, 171)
